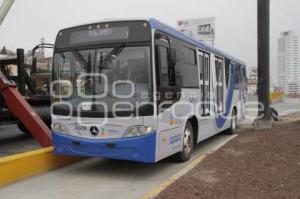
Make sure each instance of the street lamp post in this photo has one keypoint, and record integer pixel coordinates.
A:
(264, 120)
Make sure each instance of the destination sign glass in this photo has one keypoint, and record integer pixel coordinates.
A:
(101, 34)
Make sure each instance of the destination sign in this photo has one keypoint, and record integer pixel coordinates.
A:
(104, 34)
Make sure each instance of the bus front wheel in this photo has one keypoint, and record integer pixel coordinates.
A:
(188, 144)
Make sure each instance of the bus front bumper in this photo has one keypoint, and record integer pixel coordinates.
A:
(141, 149)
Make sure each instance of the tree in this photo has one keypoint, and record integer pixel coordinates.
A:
(3, 51)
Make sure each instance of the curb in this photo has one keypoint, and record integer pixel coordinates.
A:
(158, 189)
(20, 166)
(165, 184)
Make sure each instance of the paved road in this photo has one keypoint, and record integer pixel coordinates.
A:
(99, 178)
(13, 141)
(287, 107)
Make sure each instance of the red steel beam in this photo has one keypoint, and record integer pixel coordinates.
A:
(24, 112)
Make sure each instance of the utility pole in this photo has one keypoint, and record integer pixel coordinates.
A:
(264, 120)
(21, 71)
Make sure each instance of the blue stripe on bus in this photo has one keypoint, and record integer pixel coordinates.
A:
(141, 149)
(221, 119)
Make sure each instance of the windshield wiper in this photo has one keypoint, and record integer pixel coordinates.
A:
(112, 55)
(80, 59)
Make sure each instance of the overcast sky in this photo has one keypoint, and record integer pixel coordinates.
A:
(30, 20)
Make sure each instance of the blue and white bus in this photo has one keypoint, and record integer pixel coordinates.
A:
(140, 90)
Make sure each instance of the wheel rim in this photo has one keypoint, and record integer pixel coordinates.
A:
(187, 142)
(233, 123)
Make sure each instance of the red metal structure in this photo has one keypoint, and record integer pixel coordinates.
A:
(17, 104)
(23, 111)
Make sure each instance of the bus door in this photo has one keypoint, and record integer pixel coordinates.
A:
(206, 122)
(169, 134)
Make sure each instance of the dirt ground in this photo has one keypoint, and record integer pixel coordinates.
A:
(257, 164)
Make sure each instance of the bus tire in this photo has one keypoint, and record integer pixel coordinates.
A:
(22, 128)
(233, 123)
(188, 144)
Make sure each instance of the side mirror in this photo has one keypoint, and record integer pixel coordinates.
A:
(172, 57)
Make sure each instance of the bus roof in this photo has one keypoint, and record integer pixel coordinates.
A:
(155, 24)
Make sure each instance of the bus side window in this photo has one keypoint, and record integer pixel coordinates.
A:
(167, 90)
(220, 84)
(163, 80)
(201, 73)
(227, 71)
(189, 68)
(206, 85)
(201, 58)
(243, 78)
(236, 76)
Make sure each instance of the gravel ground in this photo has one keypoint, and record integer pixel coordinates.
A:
(257, 164)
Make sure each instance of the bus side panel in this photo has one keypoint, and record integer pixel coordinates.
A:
(169, 132)
(171, 122)
(224, 121)
(209, 126)
(170, 142)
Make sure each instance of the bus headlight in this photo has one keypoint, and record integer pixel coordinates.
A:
(138, 131)
(58, 127)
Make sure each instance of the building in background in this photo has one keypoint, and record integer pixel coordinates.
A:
(202, 29)
(288, 63)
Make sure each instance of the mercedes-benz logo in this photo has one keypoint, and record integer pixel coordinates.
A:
(94, 130)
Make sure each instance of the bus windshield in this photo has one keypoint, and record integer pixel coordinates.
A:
(110, 80)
